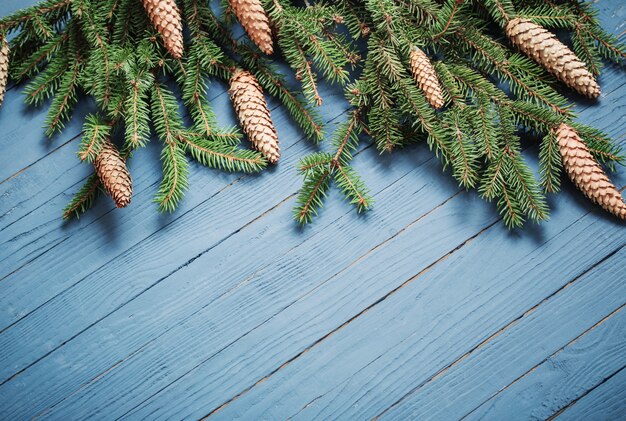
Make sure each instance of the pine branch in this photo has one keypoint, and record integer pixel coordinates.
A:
(223, 156)
(96, 132)
(169, 127)
(83, 200)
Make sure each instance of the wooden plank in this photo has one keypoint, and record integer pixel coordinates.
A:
(110, 384)
(141, 221)
(201, 389)
(366, 361)
(605, 402)
(243, 287)
(150, 266)
(278, 234)
(34, 199)
(564, 376)
(464, 207)
(275, 221)
(534, 342)
(23, 137)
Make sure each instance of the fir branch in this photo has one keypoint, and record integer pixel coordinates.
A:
(53, 8)
(492, 57)
(223, 156)
(33, 63)
(46, 84)
(353, 187)
(83, 200)
(61, 106)
(96, 133)
(137, 114)
(550, 164)
(169, 127)
(311, 195)
(175, 172)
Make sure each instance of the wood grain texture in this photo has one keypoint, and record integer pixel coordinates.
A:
(135, 315)
(567, 374)
(579, 306)
(409, 337)
(606, 402)
(147, 261)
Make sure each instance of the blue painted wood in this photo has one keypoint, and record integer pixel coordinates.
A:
(565, 375)
(582, 305)
(607, 402)
(128, 313)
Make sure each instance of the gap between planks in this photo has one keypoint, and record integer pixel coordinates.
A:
(112, 208)
(232, 233)
(372, 249)
(558, 351)
(345, 323)
(392, 292)
(606, 379)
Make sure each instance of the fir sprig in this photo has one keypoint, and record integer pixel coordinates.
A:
(110, 51)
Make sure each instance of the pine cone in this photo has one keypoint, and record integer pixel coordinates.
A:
(165, 17)
(255, 21)
(586, 174)
(425, 77)
(114, 175)
(4, 67)
(251, 108)
(543, 47)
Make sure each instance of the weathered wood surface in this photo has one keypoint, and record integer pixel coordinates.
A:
(426, 307)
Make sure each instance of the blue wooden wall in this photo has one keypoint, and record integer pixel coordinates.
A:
(426, 307)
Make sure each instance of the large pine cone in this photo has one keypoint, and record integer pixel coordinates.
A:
(114, 175)
(586, 174)
(253, 114)
(4, 67)
(426, 78)
(165, 17)
(543, 47)
(255, 21)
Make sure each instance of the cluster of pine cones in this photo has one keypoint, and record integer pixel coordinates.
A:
(253, 113)
(543, 47)
(245, 91)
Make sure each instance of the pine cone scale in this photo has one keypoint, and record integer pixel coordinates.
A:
(165, 17)
(255, 22)
(4, 67)
(254, 116)
(424, 75)
(543, 47)
(114, 175)
(586, 173)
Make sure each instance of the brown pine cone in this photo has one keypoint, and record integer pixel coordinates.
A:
(114, 175)
(586, 173)
(426, 78)
(254, 20)
(4, 67)
(165, 17)
(543, 47)
(253, 114)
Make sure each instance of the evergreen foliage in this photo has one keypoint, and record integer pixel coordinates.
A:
(108, 50)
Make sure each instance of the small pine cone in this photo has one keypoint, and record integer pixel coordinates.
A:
(165, 17)
(253, 114)
(543, 47)
(114, 175)
(426, 78)
(4, 67)
(254, 20)
(586, 174)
